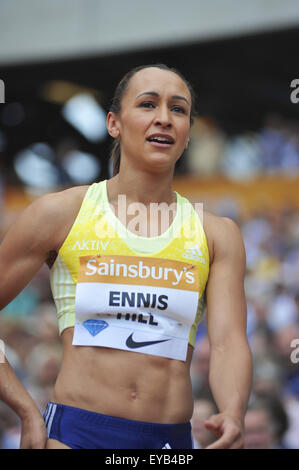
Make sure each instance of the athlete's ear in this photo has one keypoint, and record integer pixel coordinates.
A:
(112, 125)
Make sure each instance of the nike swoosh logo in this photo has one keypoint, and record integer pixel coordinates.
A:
(130, 343)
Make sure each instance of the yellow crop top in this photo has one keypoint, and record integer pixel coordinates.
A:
(110, 283)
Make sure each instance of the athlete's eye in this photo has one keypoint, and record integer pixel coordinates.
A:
(151, 105)
(147, 104)
(178, 109)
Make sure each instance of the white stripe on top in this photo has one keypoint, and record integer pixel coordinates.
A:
(49, 423)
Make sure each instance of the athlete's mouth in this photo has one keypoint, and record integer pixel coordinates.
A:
(161, 139)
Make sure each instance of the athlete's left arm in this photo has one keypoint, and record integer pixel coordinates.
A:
(230, 374)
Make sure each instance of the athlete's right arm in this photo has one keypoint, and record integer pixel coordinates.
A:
(27, 245)
(22, 252)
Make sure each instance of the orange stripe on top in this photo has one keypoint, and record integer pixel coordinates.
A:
(156, 272)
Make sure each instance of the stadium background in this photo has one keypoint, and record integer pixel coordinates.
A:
(60, 61)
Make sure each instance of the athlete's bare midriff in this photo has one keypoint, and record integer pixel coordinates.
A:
(125, 384)
(121, 383)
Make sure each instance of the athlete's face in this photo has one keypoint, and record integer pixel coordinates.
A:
(154, 121)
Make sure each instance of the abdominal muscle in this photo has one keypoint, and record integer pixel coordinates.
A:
(125, 384)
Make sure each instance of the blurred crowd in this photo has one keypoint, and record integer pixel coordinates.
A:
(274, 149)
(28, 325)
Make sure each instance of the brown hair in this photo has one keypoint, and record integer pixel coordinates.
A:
(118, 96)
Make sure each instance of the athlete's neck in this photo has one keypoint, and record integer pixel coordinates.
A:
(141, 188)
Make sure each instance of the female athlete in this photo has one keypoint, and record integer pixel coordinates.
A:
(130, 291)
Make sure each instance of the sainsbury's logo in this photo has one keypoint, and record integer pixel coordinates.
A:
(138, 270)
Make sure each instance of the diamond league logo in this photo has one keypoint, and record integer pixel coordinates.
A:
(94, 327)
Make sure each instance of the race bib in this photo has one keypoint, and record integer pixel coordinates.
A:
(139, 304)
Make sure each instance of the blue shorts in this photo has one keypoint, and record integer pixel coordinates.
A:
(82, 429)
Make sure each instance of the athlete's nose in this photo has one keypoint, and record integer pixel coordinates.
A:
(162, 117)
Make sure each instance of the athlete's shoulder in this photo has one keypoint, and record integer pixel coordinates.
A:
(60, 202)
(41, 225)
(223, 233)
(216, 222)
(45, 217)
(68, 195)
